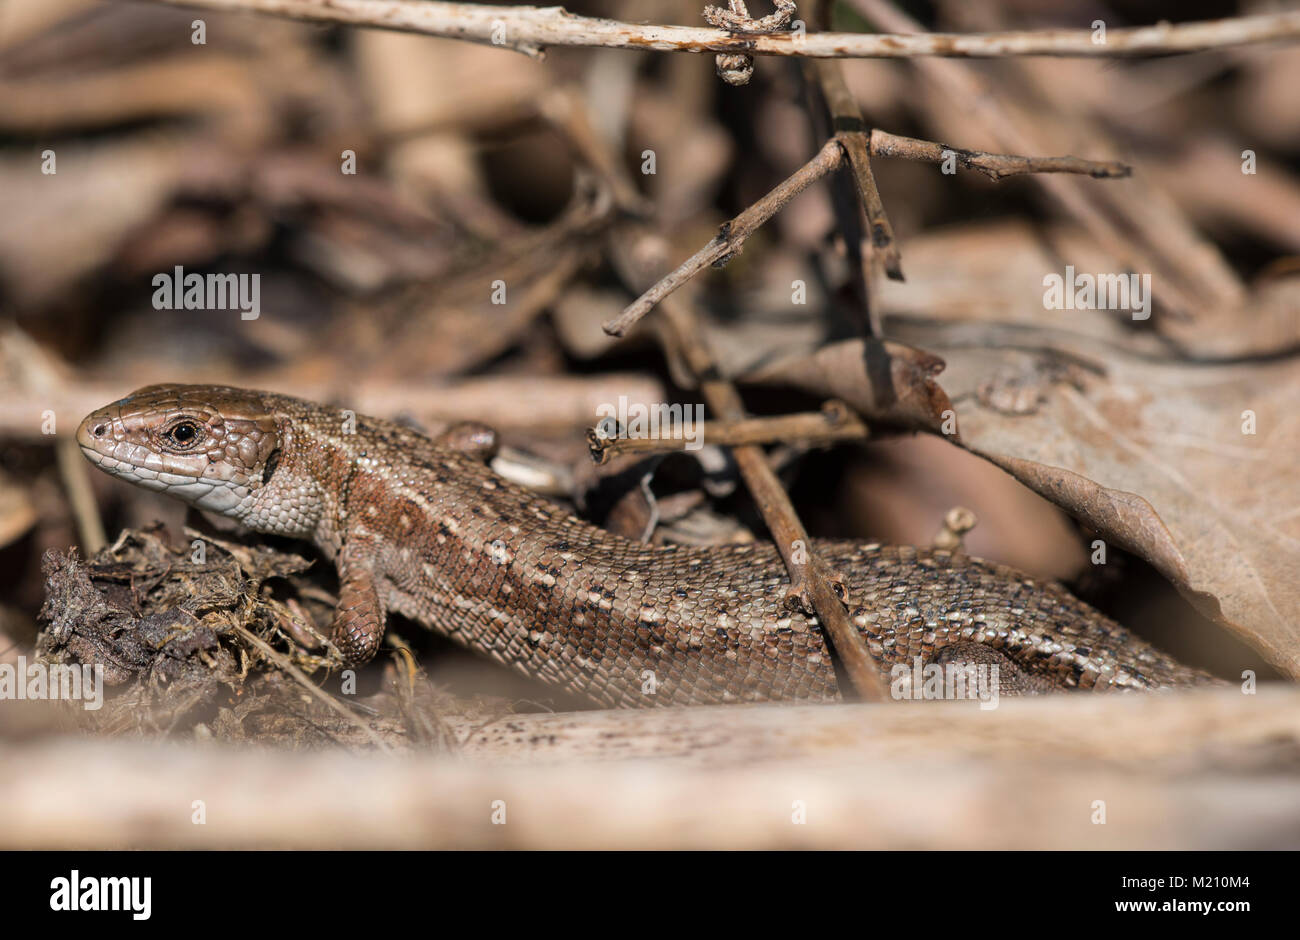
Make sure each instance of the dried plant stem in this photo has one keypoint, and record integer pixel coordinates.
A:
(731, 237)
(996, 166)
(849, 128)
(810, 580)
(282, 662)
(956, 81)
(835, 422)
(72, 467)
(531, 29)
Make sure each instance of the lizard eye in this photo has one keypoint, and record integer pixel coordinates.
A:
(184, 434)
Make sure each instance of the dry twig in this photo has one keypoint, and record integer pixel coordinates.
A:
(282, 662)
(956, 81)
(810, 580)
(835, 422)
(731, 236)
(531, 29)
(996, 166)
(847, 124)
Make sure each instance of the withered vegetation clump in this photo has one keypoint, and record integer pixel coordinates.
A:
(216, 647)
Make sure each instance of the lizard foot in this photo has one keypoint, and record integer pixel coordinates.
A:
(359, 616)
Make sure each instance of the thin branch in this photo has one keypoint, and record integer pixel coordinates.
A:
(957, 82)
(846, 120)
(994, 165)
(731, 236)
(835, 422)
(810, 579)
(282, 662)
(878, 226)
(532, 29)
(72, 467)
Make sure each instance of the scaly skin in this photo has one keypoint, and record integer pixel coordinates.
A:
(422, 527)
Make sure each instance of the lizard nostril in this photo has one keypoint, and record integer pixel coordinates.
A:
(99, 430)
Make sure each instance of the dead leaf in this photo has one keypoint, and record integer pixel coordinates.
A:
(887, 382)
(1160, 457)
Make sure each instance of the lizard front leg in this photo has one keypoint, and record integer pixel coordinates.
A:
(359, 616)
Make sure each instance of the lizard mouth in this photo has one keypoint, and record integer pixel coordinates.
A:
(176, 440)
(107, 445)
(121, 458)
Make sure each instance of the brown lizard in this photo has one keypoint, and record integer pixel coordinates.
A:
(424, 528)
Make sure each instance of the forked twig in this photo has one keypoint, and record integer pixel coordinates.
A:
(732, 235)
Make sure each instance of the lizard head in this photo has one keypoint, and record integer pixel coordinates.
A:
(212, 447)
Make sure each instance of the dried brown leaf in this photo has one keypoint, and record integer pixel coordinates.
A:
(887, 382)
(1154, 456)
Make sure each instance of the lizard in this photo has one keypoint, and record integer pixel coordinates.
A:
(424, 528)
